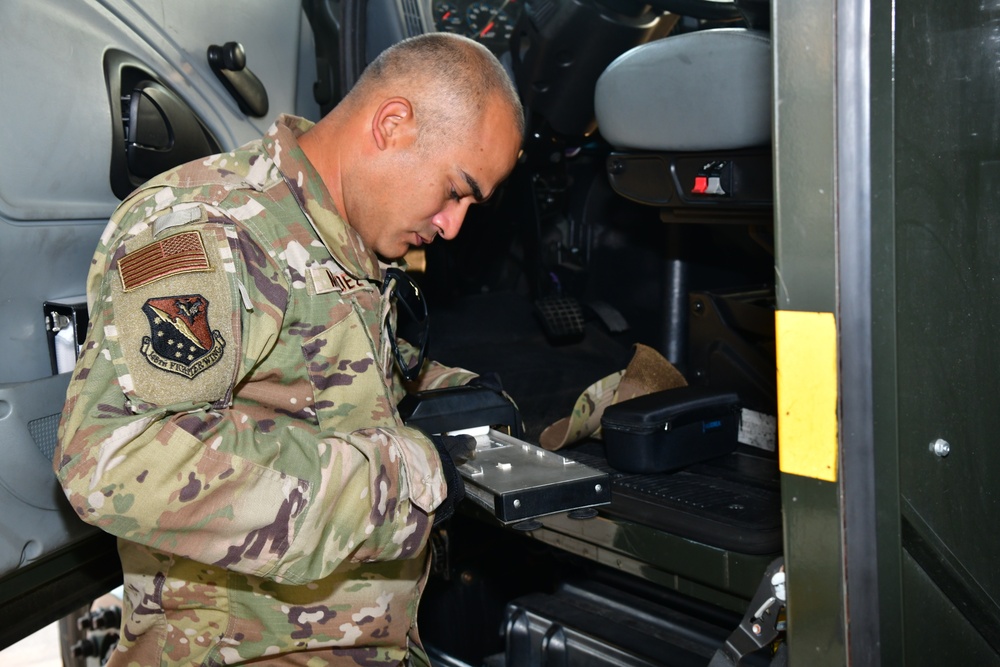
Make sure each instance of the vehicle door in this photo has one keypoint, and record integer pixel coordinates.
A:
(97, 96)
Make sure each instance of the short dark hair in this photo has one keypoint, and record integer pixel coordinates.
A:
(450, 78)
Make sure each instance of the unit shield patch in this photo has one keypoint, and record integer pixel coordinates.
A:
(180, 340)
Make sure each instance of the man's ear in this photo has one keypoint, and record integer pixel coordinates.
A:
(393, 124)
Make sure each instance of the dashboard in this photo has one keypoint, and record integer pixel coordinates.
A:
(490, 22)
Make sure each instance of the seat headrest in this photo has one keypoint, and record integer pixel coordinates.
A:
(698, 91)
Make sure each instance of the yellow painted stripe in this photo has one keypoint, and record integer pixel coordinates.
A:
(807, 393)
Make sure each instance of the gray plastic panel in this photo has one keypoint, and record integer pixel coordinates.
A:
(36, 519)
(55, 199)
(38, 263)
(55, 193)
(55, 104)
(389, 21)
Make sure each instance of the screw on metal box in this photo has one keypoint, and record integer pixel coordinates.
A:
(940, 447)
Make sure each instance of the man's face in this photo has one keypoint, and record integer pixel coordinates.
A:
(412, 194)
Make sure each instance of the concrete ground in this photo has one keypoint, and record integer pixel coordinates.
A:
(38, 650)
(41, 649)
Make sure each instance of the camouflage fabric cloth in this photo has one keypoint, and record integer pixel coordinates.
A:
(232, 420)
(647, 372)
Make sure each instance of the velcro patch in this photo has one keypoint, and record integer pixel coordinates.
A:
(324, 280)
(180, 253)
(180, 339)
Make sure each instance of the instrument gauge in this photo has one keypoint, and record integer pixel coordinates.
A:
(447, 18)
(488, 24)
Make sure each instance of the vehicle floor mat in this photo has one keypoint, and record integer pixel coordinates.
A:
(498, 332)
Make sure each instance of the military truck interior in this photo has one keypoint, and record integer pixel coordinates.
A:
(640, 212)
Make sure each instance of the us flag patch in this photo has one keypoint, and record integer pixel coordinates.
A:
(180, 253)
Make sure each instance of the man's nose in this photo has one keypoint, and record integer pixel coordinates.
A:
(449, 220)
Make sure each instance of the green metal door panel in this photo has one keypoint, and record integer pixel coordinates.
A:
(805, 254)
(947, 277)
(936, 634)
(804, 125)
(815, 588)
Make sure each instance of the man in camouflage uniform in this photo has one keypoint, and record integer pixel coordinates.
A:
(233, 416)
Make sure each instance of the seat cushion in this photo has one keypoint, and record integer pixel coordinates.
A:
(699, 91)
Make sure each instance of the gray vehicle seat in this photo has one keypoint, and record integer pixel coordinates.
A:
(699, 91)
(690, 117)
(689, 121)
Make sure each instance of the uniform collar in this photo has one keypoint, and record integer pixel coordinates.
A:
(344, 244)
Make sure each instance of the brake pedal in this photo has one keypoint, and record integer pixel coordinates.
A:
(562, 318)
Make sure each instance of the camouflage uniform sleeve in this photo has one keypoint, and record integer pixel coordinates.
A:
(192, 475)
(435, 375)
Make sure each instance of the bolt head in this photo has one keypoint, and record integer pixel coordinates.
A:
(940, 447)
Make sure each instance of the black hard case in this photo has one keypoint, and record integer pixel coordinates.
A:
(670, 429)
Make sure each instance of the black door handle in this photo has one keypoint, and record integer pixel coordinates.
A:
(229, 62)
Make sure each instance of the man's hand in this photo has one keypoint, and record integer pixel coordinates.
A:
(454, 450)
(460, 448)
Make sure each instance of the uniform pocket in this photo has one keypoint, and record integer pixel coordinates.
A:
(348, 377)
